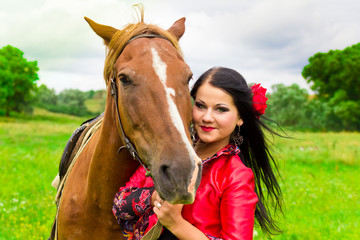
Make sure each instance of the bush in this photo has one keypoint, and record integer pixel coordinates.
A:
(69, 101)
(287, 105)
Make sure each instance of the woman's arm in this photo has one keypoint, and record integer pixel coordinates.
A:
(238, 203)
(132, 205)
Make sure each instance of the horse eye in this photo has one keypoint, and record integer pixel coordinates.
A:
(124, 80)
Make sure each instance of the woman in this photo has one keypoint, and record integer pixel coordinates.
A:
(236, 164)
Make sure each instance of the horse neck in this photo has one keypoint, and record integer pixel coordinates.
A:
(109, 169)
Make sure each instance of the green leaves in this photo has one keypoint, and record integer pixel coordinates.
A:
(335, 77)
(69, 101)
(287, 104)
(337, 69)
(17, 80)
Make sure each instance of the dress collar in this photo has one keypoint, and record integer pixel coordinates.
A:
(228, 150)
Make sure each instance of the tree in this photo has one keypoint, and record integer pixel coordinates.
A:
(45, 96)
(287, 105)
(5, 82)
(335, 77)
(72, 101)
(17, 80)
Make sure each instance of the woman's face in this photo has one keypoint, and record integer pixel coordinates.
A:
(215, 115)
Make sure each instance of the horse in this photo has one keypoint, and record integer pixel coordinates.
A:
(148, 112)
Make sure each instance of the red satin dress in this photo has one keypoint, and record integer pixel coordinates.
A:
(225, 201)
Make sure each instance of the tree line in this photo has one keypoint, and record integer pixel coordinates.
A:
(334, 78)
(69, 101)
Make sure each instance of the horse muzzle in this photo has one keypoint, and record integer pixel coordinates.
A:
(176, 183)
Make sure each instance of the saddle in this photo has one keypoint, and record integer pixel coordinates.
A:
(72, 147)
(74, 143)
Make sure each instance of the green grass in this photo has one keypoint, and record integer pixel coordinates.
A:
(321, 186)
(30, 151)
(319, 170)
(96, 104)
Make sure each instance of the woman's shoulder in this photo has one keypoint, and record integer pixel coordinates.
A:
(232, 162)
(232, 170)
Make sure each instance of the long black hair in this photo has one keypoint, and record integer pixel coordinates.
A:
(255, 152)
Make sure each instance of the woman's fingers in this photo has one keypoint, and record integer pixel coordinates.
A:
(167, 213)
(157, 204)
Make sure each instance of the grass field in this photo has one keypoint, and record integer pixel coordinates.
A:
(319, 172)
(321, 186)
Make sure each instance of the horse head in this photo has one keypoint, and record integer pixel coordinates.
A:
(154, 105)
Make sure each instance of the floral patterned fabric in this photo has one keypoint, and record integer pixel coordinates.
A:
(132, 209)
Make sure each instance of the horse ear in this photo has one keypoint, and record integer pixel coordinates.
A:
(106, 32)
(178, 28)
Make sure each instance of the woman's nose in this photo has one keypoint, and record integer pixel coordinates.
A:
(208, 116)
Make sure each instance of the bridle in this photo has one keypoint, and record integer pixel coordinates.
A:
(114, 93)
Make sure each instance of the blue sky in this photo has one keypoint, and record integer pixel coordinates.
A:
(267, 41)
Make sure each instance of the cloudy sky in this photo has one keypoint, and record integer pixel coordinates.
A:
(267, 41)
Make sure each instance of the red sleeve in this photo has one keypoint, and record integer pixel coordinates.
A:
(238, 203)
(138, 180)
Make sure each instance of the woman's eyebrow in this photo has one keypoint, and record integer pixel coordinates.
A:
(222, 105)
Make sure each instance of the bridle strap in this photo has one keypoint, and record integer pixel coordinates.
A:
(145, 35)
(114, 93)
(128, 144)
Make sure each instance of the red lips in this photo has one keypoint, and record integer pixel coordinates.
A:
(207, 129)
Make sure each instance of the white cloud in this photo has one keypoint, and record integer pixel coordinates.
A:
(267, 41)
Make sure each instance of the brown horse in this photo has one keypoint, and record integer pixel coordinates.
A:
(145, 67)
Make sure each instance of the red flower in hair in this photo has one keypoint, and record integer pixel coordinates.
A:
(259, 99)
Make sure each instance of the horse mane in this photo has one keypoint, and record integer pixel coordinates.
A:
(122, 37)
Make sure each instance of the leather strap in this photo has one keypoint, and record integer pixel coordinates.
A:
(154, 233)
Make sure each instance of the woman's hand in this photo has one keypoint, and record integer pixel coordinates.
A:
(170, 217)
(168, 214)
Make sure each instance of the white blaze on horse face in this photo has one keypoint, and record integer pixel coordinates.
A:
(160, 69)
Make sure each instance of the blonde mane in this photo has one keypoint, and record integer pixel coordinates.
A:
(122, 37)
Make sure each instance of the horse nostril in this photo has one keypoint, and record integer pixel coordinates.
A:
(165, 174)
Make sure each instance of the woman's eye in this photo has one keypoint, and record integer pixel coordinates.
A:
(199, 105)
(222, 109)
